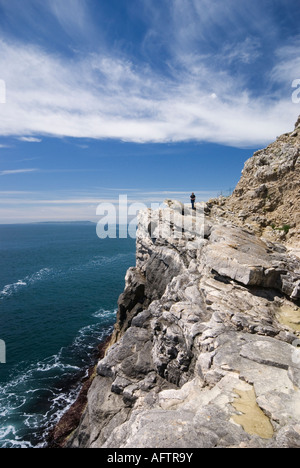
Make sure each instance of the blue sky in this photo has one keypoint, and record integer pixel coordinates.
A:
(153, 99)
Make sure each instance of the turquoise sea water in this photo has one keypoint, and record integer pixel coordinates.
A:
(59, 286)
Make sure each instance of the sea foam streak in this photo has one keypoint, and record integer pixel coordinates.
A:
(45, 273)
(100, 261)
(11, 289)
(41, 382)
(39, 393)
(105, 314)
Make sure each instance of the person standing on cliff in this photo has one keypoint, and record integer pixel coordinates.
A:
(193, 199)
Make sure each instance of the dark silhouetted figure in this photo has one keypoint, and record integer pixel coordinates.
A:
(193, 199)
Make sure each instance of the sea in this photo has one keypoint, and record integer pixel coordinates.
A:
(59, 287)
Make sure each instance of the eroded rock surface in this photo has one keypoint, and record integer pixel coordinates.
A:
(267, 197)
(200, 355)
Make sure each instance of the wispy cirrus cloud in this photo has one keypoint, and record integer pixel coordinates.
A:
(30, 139)
(73, 15)
(203, 91)
(287, 66)
(17, 171)
(104, 97)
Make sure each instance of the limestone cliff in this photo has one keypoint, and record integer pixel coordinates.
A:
(204, 352)
(267, 197)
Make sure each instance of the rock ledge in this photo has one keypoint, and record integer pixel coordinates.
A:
(201, 356)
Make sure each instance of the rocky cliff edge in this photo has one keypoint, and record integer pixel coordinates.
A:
(267, 197)
(205, 347)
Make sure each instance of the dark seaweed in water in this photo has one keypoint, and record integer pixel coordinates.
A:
(71, 418)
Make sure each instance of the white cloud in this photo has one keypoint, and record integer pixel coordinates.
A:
(30, 139)
(102, 95)
(17, 171)
(71, 14)
(14, 192)
(245, 52)
(287, 68)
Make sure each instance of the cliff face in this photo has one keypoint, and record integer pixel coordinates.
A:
(205, 346)
(267, 198)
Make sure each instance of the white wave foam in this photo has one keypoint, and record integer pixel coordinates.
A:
(9, 439)
(102, 313)
(82, 339)
(6, 430)
(39, 275)
(15, 443)
(101, 260)
(42, 367)
(35, 381)
(11, 289)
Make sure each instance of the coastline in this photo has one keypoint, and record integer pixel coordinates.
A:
(207, 329)
(71, 418)
(199, 336)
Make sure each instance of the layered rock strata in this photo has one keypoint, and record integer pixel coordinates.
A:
(267, 197)
(204, 352)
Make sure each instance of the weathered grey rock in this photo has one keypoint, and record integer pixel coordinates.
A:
(198, 336)
(241, 256)
(131, 301)
(289, 437)
(130, 356)
(267, 196)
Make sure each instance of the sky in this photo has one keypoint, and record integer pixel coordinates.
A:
(152, 99)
